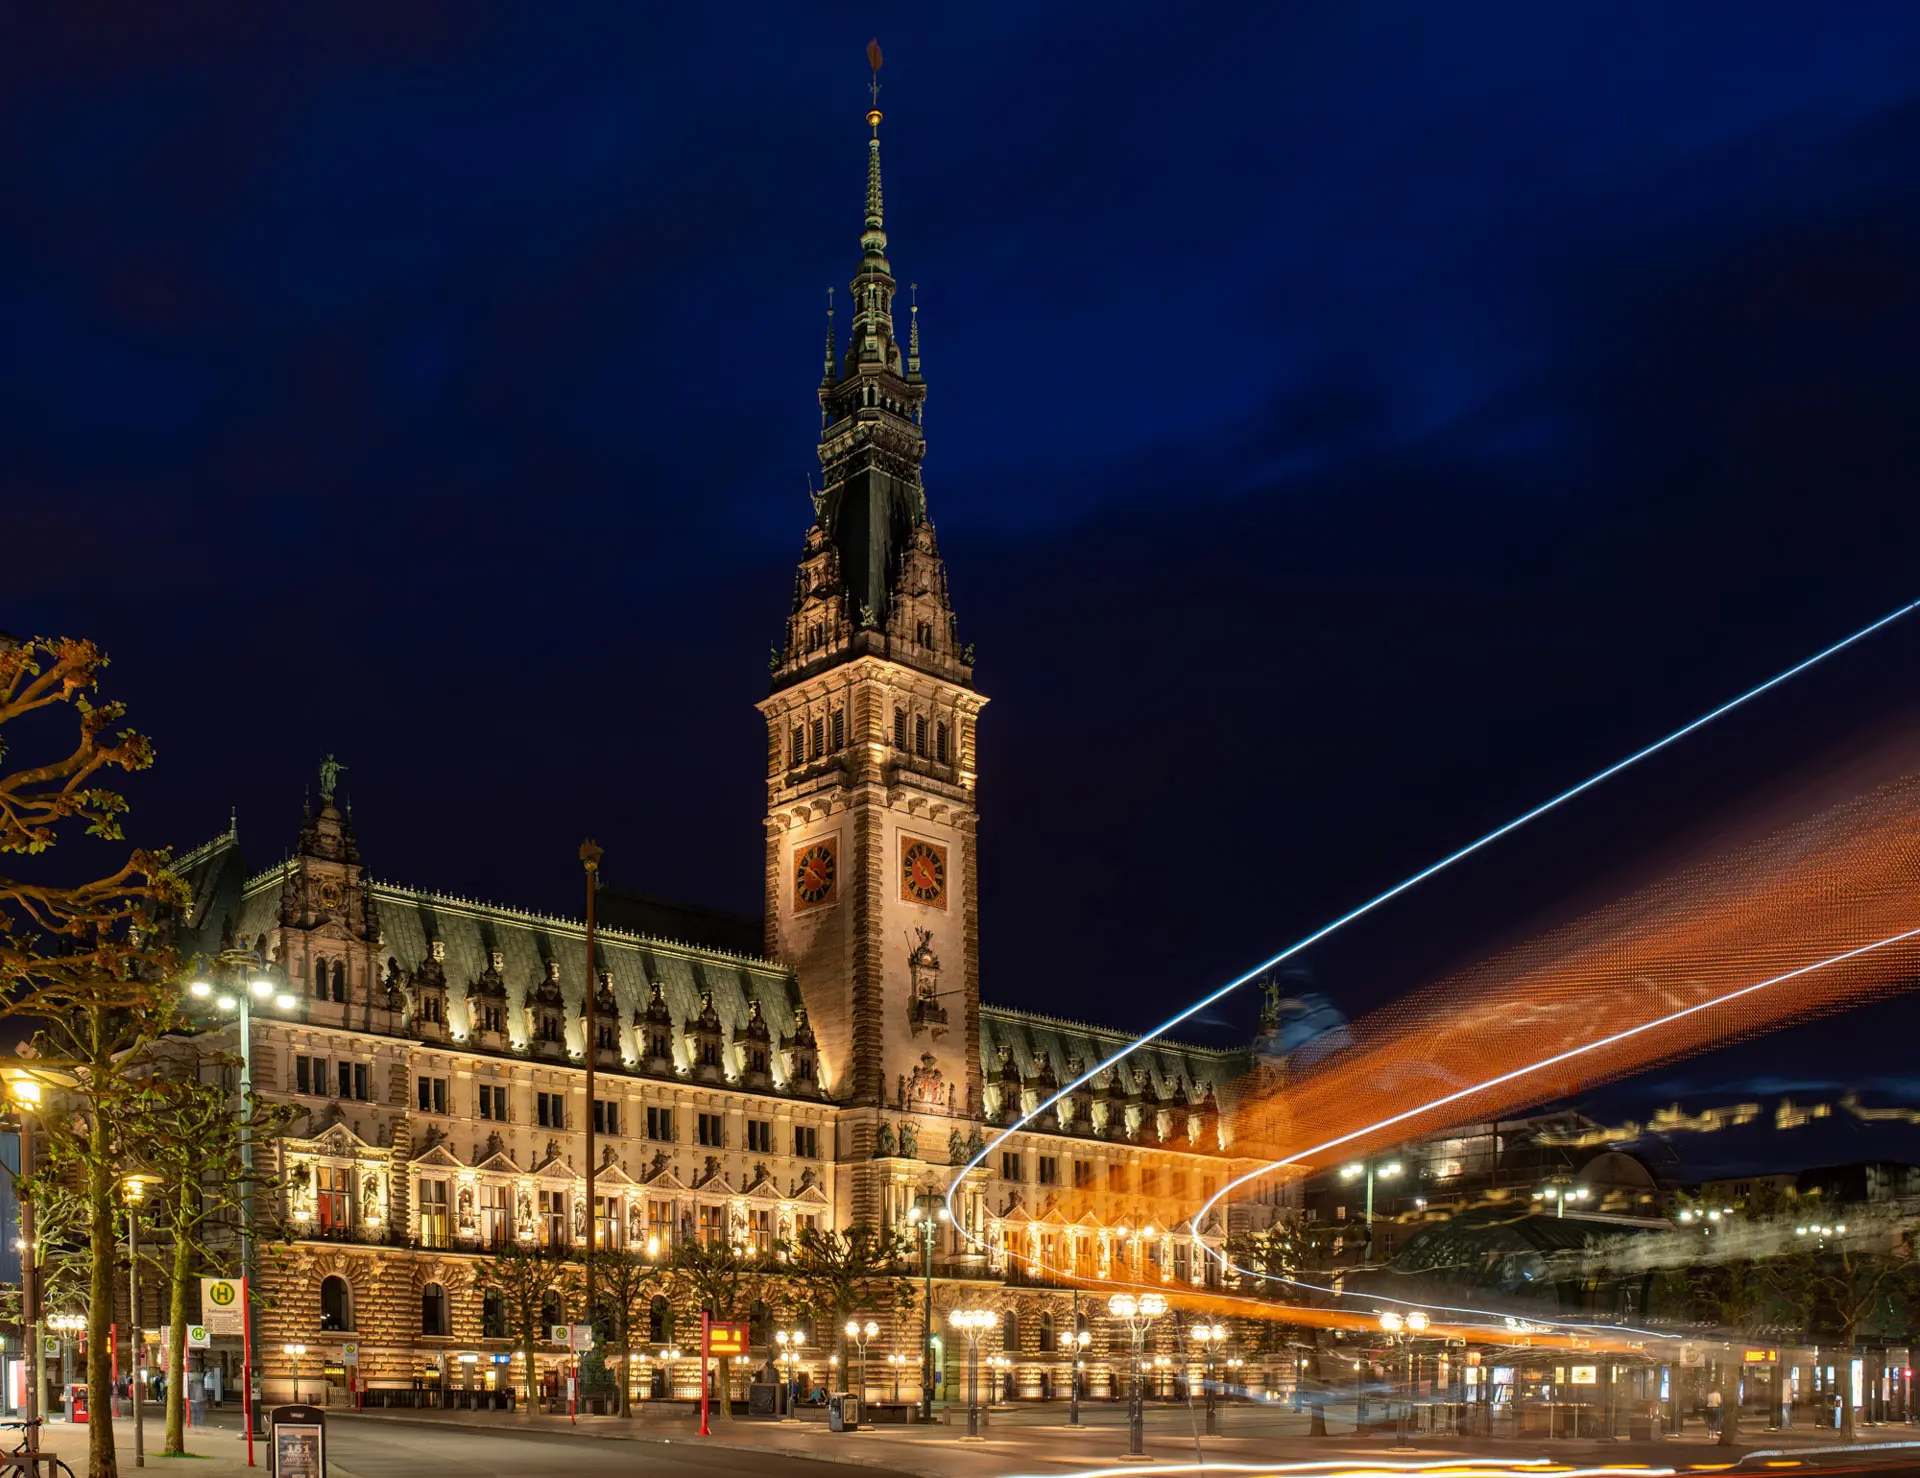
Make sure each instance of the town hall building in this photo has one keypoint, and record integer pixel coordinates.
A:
(830, 1077)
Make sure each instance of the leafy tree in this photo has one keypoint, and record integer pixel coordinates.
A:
(836, 1273)
(83, 959)
(190, 1139)
(625, 1282)
(726, 1282)
(523, 1276)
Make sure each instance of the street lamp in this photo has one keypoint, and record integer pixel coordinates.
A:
(1077, 1343)
(1560, 1195)
(1209, 1337)
(896, 1361)
(929, 1209)
(135, 1189)
(295, 1352)
(790, 1341)
(1137, 1314)
(1402, 1330)
(973, 1323)
(24, 1093)
(1372, 1170)
(860, 1333)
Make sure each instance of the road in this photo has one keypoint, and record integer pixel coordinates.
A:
(383, 1448)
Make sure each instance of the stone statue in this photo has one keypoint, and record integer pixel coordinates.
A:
(883, 1141)
(956, 1149)
(330, 769)
(909, 1139)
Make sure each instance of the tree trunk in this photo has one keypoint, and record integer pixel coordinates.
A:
(723, 1386)
(1729, 1405)
(176, 1442)
(101, 1462)
(533, 1385)
(623, 1400)
(1316, 1392)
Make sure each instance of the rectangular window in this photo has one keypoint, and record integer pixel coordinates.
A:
(433, 1213)
(362, 1089)
(1082, 1174)
(762, 1224)
(920, 735)
(713, 1225)
(799, 749)
(806, 1142)
(660, 1223)
(333, 1198)
(1207, 1187)
(345, 1070)
(606, 1116)
(1010, 1165)
(432, 1095)
(1182, 1264)
(606, 1222)
(1178, 1188)
(496, 1214)
(1047, 1170)
(839, 728)
(760, 1136)
(819, 737)
(493, 1102)
(553, 1219)
(310, 1074)
(1116, 1177)
(1149, 1180)
(660, 1124)
(550, 1110)
(810, 1223)
(900, 728)
(712, 1130)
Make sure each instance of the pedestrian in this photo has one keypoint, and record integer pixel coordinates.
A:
(1713, 1410)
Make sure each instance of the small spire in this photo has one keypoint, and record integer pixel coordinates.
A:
(828, 373)
(913, 333)
(876, 217)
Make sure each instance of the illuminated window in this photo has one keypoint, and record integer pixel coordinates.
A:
(433, 1213)
(333, 1199)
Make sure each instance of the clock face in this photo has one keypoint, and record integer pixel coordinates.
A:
(923, 874)
(813, 874)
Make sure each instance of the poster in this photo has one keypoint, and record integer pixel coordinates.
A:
(296, 1451)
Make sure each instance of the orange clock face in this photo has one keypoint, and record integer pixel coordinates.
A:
(923, 874)
(813, 874)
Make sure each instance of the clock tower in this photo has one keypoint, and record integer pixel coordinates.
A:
(871, 873)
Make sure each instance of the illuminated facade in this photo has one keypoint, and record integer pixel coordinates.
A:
(437, 1043)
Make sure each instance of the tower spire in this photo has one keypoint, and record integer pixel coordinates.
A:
(828, 374)
(913, 333)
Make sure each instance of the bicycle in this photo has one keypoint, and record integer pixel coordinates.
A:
(27, 1461)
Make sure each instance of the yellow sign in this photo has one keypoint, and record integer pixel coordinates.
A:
(1762, 1357)
(1586, 1375)
(726, 1339)
(221, 1300)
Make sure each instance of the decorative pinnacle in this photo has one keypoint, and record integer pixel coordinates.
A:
(913, 334)
(829, 365)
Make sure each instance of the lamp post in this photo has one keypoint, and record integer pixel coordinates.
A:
(24, 1092)
(973, 1323)
(294, 1352)
(135, 1188)
(896, 1361)
(929, 1209)
(1209, 1338)
(860, 1333)
(1372, 1169)
(252, 971)
(1077, 1343)
(1402, 1330)
(1560, 1195)
(790, 1341)
(1137, 1314)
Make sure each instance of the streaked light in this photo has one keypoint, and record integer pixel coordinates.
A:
(201, 988)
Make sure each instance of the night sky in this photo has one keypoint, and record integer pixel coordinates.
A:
(1348, 425)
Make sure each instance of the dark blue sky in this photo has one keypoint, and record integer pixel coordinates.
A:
(1348, 425)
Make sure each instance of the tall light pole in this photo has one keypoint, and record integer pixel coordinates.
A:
(973, 1323)
(929, 1209)
(254, 981)
(294, 1352)
(1402, 1330)
(24, 1092)
(590, 859)
(136, 1189)
(1209, 1337)
(1371, 1169)
(790, 1341)
(1077, 1343)
(1137, 1314)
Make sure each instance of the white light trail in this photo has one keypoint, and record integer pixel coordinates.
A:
(1417, 878)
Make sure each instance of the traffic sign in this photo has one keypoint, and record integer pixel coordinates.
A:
(221, 1302)
(350, 1353)
(726, 1339)
(199, 1337)
(582, 1340)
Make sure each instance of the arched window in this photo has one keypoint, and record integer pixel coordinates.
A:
(336, 1304)
(551, 1312)
(920, 735)
(319, 980)
(1010, 1332)
(433, 1309)
(1046, 1334)
(493, 1315)
(659, 1321)
(340, 980)
(940, 743)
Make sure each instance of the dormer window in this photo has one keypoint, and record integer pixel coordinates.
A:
(607, 1035)
(924, 633)
(709, 1053)
(549, 1026)
(658, 1046)
(430, 1008)
(492, 1019)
